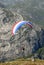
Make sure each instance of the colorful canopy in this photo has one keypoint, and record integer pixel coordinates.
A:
(18, 25)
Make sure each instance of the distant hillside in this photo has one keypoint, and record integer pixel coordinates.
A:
(30, 9)
(2, 5)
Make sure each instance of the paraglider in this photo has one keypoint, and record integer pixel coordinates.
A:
(18, 25)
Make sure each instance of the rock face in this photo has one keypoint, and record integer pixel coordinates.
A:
(26, 42)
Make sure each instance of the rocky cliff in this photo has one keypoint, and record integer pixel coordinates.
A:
(24, 43)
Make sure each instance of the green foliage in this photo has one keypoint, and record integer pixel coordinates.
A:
(40, 53)
(40, 50)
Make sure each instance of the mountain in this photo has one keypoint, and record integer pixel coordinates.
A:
(25, 43)
(30, 10)
(2, 5)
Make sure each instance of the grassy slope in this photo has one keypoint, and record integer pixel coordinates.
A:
(24, 62)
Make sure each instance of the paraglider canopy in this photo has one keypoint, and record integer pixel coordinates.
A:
(18, 25)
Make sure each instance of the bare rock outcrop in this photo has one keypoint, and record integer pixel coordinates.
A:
(26, 42)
